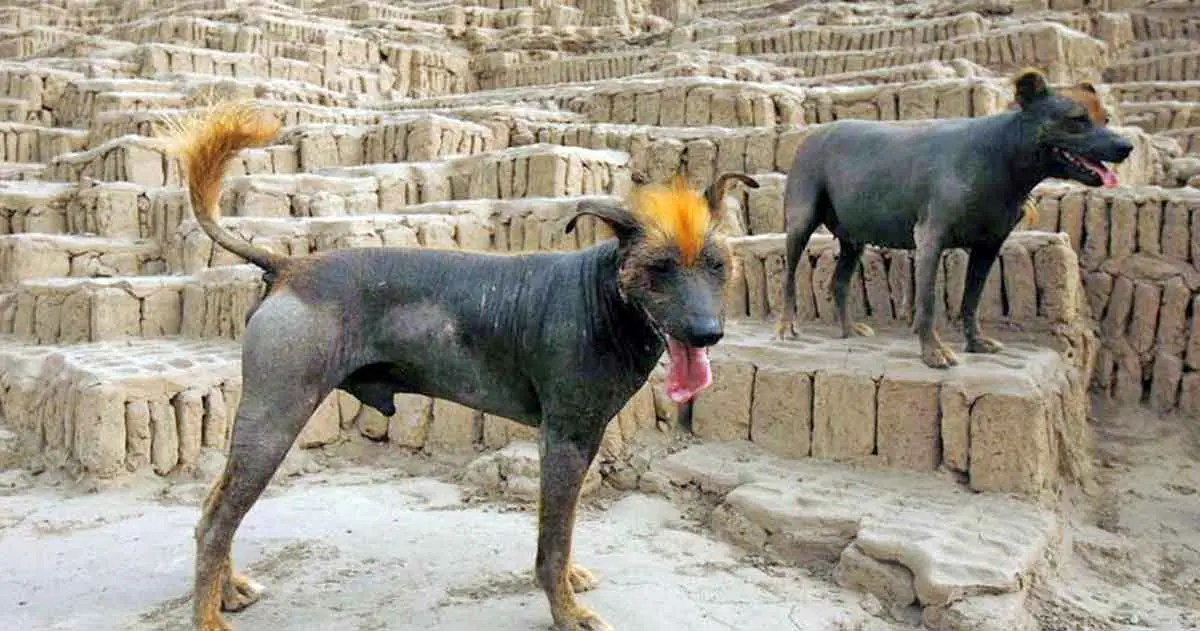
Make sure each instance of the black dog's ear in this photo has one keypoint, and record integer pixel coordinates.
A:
(1031, 86)
(622, 222)
(716, 192)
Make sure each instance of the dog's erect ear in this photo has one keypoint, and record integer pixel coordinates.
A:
(1031, 87)
(1086, 87)
(622, 222)
(716, 192)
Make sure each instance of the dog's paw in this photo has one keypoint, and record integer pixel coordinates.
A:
(984, 345)
(862, 330)
(583, 620)
(582, 579)
(785, 331)
(240, 592)
(938, 356)
(213, 624)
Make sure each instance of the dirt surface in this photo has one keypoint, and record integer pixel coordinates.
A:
(356, 548)
(374, 540)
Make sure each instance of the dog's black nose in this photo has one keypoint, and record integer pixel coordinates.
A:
(703, 332)
(1124, 148)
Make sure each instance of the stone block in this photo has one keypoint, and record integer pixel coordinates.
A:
(891, 583)
(781, 412)
(324, 426)
(454, 427)
(723, 411)
(909, 423)
(1010, 443)
(844, 408)
(100, 432)
(410, 425)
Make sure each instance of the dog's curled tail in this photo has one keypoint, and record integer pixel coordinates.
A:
(204, 142)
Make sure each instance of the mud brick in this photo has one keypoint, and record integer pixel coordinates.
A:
(1175, 231)
(1192, 355)
(216, 422)
(454, 427)
(879, 299)
(756, 285)
(1096, 227)
(1072, 209)
(164, 445)
(189, 415)
(844, 407)
(324, 426)
(1009, 443)
(723, 412)
(1146, 299)
(781, 413)
(1019, 282)
(100, 438)
(1149, 227)
(909, 432)
(1119, 305)
(1123, 227)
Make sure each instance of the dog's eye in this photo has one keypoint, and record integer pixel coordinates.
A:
(661, 266)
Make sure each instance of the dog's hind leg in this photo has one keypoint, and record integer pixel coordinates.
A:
(848, 258)
(979, 264)
(934, 352)
(565, 458)
(800, 207)
(284, 378)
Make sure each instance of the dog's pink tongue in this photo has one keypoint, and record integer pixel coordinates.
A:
(1107, 176)
(688, 372)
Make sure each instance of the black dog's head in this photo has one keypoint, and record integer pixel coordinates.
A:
(674, 264)
(1070, 144)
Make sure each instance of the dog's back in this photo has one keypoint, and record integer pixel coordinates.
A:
(874, 179)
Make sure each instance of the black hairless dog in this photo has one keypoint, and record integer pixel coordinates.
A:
(953, 183)
(556, 340)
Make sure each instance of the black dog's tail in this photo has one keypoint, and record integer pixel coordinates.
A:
(205, 143)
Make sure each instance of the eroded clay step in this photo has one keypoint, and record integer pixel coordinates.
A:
(1013, 421)
(33, 256)
(104, 409)
(913, 540)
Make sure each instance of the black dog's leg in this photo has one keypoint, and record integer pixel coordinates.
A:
(934, 353)
(848, 258)
(565, 461)
(284, 379)
(263, 432)
(979, 264)
(797, 240)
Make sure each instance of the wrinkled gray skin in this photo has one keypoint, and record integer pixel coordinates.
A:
(953, 183)
(546, 339)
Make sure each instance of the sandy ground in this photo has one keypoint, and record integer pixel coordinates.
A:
(361, 547)
(368, 549)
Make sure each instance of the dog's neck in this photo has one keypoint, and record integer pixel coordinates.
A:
(1026, 170)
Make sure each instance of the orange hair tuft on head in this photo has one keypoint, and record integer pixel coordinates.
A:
(674, 213)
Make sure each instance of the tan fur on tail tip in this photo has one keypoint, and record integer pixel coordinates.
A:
(209, 133)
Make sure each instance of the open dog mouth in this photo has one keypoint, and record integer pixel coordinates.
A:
(688, 373)
(1106, 175)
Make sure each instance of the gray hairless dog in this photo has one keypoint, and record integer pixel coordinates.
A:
(555, 340)
(953, 183)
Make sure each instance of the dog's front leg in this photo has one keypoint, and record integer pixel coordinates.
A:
(934, 352)
(565, 461)
(979, 264)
